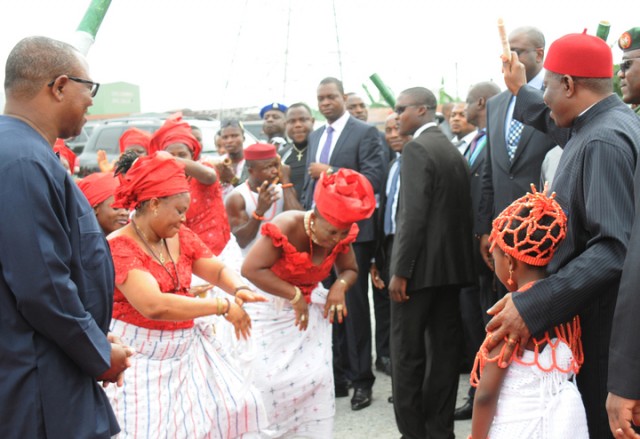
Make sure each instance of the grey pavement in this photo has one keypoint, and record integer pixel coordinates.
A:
(377, 420)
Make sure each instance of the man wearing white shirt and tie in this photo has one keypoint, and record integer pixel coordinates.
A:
(346, 142)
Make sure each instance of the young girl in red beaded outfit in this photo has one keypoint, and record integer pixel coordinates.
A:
(533, 396)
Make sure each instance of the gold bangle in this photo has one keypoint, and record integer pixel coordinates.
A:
(297, 297)
(218, 306)
(346, 285)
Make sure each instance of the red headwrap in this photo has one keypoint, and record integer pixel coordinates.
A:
(344, 197)
(175, 130)
(135, 136)
(64, 151)
(98, 187)
(580, 55)
(153, 176)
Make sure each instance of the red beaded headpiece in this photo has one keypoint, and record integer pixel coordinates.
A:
(535, 224)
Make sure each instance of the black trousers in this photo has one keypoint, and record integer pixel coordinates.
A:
(352, 339)
(382, 305)
(426, 334)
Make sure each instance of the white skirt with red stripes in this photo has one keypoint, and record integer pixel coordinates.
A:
(181, 385)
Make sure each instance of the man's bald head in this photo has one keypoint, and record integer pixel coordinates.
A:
(35, 61)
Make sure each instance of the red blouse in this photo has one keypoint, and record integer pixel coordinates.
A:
(128, 255)
(296, 267)
(207, 216)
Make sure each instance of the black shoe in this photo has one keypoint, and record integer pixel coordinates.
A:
(383, 364)
(341, 390)
(465, 411)
(361, 399)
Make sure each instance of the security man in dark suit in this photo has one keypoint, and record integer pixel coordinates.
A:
(346, 142)
(514, 151)
(431, 259)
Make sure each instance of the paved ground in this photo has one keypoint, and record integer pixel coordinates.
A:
(377, 421)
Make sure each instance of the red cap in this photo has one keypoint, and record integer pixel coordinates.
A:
(175, 130)
(580, 55)
(135, 136)
(260, 151)
(150, 177)
(344, 197)
(64, 151)
(98, 187)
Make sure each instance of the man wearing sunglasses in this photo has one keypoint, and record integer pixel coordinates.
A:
(514, 152)
(623, 402)
(56, 273)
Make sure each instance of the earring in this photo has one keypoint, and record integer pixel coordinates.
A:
(510, 280)
(155, 212)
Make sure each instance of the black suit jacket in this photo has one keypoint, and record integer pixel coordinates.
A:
(433, 242)
(357, 148)
(381, 256)
(477, 169)
(504, 181)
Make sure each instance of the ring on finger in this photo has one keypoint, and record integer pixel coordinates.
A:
(512, 341)
(339, 307)
(332, 308)
(303, 317)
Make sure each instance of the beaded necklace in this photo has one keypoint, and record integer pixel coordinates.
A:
(160, 259)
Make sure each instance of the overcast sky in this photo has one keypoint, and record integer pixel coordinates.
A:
(209, 54)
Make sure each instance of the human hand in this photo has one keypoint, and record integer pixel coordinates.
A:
(484, 251)
(315, 169)
(200, 290)
(103, 162)
(622, 414)
(225, 171)
(238, 317)
(507, 324)
(120, 361)
(398, 289)
(266, 197)
(246, 295)
(336, 304)
(301, 308)
(376, 280)
(514, 72)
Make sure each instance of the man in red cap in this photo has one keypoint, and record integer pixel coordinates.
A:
(261, 197)
(594, 185)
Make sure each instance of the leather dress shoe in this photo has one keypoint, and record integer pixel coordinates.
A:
(465, 411)
(361, 399)
(383, 364)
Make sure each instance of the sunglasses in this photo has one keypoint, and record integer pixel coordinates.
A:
(626, 64)
(399, 109)
(93, 86)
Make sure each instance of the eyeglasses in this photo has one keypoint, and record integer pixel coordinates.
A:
(626, 64)
(521, 51)
(401, 108)
(94, 85)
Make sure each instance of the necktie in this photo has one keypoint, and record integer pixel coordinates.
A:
(473, 145)
(513, 137)
(326, 149)
(388, 219)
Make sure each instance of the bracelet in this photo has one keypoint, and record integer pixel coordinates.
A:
(228, 307)
(297, 297)
(344, 282)
(241, 287)
(286, 185)
(218, 306)
(329, 171)
(256, 216)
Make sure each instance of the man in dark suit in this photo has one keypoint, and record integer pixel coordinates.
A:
(477, 298)
(623, 402)
(385, 230)
(594, 183)
(346, 142)
(431, 259)
(56, 273)
(514, 151)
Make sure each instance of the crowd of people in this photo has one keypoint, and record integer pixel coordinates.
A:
(170, 295)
